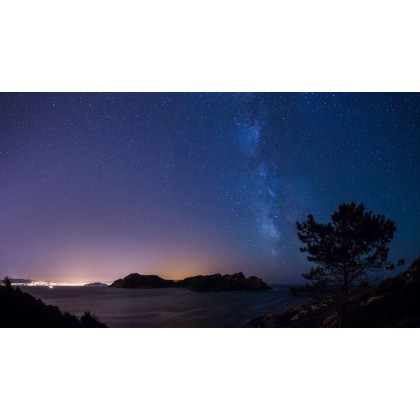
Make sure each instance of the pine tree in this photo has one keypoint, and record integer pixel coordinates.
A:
(346, 250)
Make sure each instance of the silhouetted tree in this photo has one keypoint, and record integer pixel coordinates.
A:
(7, 281)
(346, 249)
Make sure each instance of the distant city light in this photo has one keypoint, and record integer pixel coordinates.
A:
(46, 284)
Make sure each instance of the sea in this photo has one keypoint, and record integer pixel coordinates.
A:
(166, 308)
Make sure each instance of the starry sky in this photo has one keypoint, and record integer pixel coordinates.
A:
(96, 186)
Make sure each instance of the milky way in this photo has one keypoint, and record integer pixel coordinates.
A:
(265, 200)
(95, 186)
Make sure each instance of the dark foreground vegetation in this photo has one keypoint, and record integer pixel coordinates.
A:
(210, 283)
(348, 253)
(394, 302)
(20, 309)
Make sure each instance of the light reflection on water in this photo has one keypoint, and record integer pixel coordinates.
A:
(166, 307)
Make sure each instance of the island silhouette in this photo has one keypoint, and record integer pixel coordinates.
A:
(206, 283)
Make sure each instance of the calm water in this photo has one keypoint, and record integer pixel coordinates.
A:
(166, 307)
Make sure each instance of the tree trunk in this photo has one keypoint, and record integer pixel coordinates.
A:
(342, 310)
(343, 298)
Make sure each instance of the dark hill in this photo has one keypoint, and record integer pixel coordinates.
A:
(210, 283)
(395, 302)
(20, 309)
(217, 283)
(140, 281)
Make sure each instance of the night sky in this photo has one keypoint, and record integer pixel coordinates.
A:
(96, 186)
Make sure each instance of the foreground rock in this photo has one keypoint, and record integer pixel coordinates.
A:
(394, 302)
(20, 309)
(210, 283)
